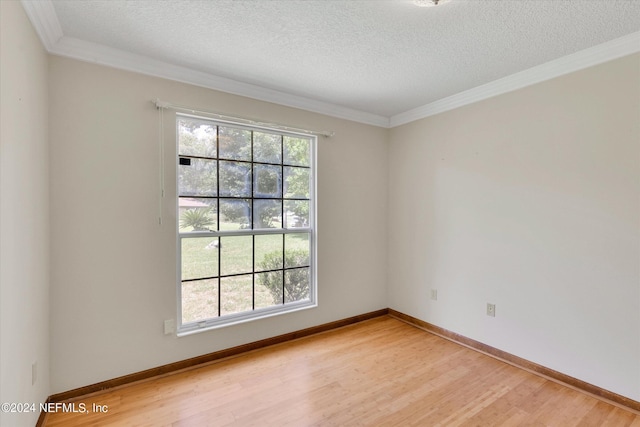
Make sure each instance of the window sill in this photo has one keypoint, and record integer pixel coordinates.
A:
(237, 319)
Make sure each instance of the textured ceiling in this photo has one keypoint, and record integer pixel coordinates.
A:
(380, 57)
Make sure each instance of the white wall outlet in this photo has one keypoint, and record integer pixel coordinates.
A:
(434, 294)
(34, 373)
(169, 326)
(491, 310)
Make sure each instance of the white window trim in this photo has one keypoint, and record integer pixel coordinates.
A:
(185, 329)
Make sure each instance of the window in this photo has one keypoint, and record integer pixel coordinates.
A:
(245, 222)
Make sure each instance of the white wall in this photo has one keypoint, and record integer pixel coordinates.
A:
(530, 201)
(113, 266)
(24, 215)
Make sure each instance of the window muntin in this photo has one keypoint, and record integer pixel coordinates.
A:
(245, 223)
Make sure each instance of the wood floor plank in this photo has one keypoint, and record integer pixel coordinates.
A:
(380, 372)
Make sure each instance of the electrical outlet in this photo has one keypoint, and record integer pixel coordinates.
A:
(169, 326)
(434, 294)
(34, 373)
(491, 310)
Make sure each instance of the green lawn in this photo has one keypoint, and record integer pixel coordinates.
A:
(237, 256)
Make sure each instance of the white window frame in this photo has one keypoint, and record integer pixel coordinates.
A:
(184, 329)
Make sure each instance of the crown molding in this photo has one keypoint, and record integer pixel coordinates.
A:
(43, 16)
(595, 55)
(99, 54)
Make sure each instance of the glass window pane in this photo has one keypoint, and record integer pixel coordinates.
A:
(236, 254)
(236, 294)
(235, 179)
(296, 285)
(267, 181)
(197, 177)
(196, 138)
(296, 213)
(267, 214)
(197, 214)
(296, 182)
(199, 257)
(296, 250)
(235, 214)
(268, 252)
(199, 300)
(269, 287)
(267, 147)
(297, 151)
(234, 143)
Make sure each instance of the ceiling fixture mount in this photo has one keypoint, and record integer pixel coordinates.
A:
(429, 3)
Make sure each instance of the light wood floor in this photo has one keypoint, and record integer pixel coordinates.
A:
(381, 372)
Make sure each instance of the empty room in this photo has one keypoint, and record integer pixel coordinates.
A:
(319, 212)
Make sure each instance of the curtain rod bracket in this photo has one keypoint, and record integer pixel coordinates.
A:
(159, 104)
